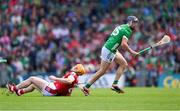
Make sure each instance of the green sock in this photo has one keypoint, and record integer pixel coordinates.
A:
(88, 85)
(115, 82)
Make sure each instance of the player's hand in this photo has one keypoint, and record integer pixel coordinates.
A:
(135, 54)
(52, 77)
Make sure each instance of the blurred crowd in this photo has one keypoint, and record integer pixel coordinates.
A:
(53, 35)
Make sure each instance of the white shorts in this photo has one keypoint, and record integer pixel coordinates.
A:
(107, 55)
(46, 93)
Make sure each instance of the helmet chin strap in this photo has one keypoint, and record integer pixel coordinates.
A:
(130, 23)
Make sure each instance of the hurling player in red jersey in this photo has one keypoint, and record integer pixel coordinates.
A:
(59, 87)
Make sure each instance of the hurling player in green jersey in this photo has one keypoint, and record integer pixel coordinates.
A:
(118, 38)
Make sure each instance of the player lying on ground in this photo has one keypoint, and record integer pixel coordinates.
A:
(118, 38)
(60, 87)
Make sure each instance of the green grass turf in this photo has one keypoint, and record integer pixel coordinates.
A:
(100, 99)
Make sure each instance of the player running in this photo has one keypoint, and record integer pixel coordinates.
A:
(60, 87)
(118, 38)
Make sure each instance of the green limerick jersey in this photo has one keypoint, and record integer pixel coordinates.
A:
(114, 41)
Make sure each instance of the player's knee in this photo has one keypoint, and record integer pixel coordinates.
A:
(32, 78)
(124, 65)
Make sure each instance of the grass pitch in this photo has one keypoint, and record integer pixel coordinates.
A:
(100, 99)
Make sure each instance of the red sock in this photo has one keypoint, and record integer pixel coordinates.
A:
(20, 92)
(14, 88)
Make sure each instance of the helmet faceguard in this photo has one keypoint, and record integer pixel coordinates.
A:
(133, 22)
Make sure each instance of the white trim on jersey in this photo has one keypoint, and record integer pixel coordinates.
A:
(125, 37)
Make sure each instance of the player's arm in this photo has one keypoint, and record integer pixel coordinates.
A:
(68, 80)
(80, 86)
(125, 46)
